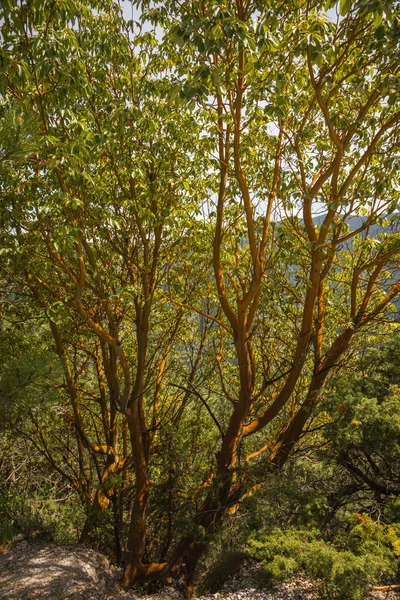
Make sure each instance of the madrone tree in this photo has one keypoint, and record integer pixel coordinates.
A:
(301, 124)
(93, 187)
(280, 124)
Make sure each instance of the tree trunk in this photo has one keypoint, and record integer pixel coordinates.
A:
(137, 530)
(94, 519)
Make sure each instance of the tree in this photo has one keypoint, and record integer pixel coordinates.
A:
(298, 129)
(87, 219)
(290, 117)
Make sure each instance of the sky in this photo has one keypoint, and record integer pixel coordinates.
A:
(133, 13)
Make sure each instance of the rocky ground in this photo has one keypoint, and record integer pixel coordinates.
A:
(48, 572)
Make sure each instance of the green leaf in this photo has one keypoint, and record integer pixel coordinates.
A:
(251, 43)
(377, 18)
(344, 7)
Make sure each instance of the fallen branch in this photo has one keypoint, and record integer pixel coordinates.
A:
(387, 588)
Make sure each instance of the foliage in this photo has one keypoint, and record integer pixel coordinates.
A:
(199, 234)
(36, 505)
(342, 573)
(363, 428)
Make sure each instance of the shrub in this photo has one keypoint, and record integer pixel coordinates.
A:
(343, 574)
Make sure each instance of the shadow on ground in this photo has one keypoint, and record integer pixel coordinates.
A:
(50, 572)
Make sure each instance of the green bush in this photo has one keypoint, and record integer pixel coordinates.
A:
(343, 574)
(38, 517)
(7, 531)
